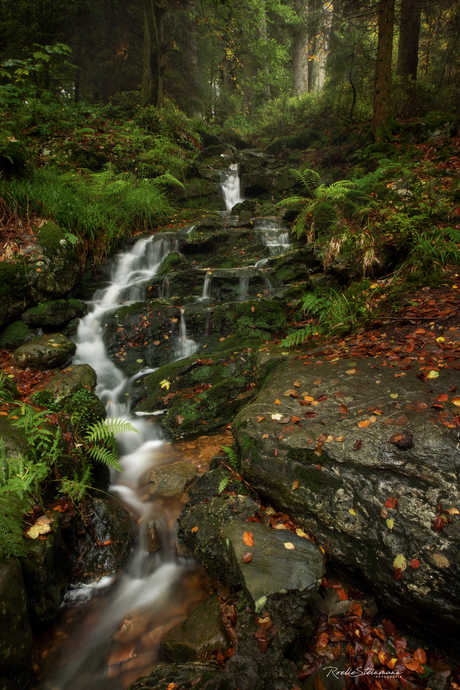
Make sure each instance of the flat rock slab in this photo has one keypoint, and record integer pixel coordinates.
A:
(202, 633)
(367, 432)
(44, 353)
(169, 481)
(281, 561)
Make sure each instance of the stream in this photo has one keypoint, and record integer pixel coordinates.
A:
(109, 633)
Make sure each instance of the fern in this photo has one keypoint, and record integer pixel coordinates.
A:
(223, 483)
(294, 339)
(11, 526)
(75, 488)
(309, 178)
(104, 431)
(232, 457)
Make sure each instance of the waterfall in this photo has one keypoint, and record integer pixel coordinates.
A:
(274, 235)
(184, 346)
(231, 187)
(165, 289)
(244, 286)
(151, 581)
(207, 286)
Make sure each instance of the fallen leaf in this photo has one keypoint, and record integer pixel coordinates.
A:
(398, 574)
(453, 511)
(440, 561)
(351, 371)
(384, 513)
(400, 562)
(260, 419)
(277, 416)
(343, 409)
(432, 374)
(291, 392)
(310, 415)
(443, 397)
(316, 382)
(339, 438)
(390, 523)
(295, 419)
(41, 526)
(415, 563)
(296, 384)
(248, 539)
(357, 445)
(179, 419)
(246, 557)
(364, 423)
(194, 529)
(393, 395)
(277, 402)
(265, 436)
(289, 545)
(295, 484)
(456, 401)
(352, 511)
(391, 502)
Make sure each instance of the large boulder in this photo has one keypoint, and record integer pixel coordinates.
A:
(47, 352)
(54, 312)
(370, 467)
(71, 380)
(15, 631)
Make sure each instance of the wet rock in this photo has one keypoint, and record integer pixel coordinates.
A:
(153, 538)
(206, 542)
(280, 561)
(199, 674)
(45, 570)
(339, 492)
(103, 543)
(15, 631)
(201, 634)
(169, 481)
(47, 352)
(54, 312)
(71, 380)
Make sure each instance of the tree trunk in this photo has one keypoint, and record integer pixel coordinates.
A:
(409, 36)
(152, 72)
(382, 85)
(300, 50)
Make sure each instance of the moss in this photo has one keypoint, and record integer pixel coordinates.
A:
(303, 455)
(13, 274)
(15, 335)
(50, 237)
(171, 263)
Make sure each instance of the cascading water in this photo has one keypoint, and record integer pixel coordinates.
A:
(207, 286)
(274, 235)
(151, 580)
(231, 187)
(243, 288)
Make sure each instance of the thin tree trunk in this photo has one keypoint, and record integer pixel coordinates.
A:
(409, 37)
(300, 50)
(382, 85)
(152, 73)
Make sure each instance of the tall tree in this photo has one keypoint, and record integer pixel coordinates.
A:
(382, 85)
(154, 50)
(409, 37)
(300, 48)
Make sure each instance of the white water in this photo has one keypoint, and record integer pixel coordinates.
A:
(243, 288)
(207, 286)
(150, 583)
(273, 235)
(231, 187)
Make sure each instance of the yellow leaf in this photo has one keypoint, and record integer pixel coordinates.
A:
(390, 523)
(165, 384)
(277, 402)
(339, 438)
(296, 384)
(301, 533)
(351, 371)
(295, 484)
(440, 339)
(252, 308)
(289, 545)
(432, 374)
(393, 395)
(42, 526)
(352, 511)
(400, 562)
(456, 401)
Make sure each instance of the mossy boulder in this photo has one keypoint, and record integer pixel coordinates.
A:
(169, 481)
(15, 335)
(54, 312)
(71, 380)
(47, 352)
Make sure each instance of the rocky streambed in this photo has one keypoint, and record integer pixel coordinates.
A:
(344, 458)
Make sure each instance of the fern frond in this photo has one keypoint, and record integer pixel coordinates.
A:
(309, 178)
(294, 339)
(223, 484)
(105, 430)
(11, 526)
(108, 456)
(232, 457)
(75, 488)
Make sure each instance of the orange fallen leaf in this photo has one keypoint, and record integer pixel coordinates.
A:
(364, 423)
(246, 557)
(248, 539)
(277, 402)
(343, 409)
(295, 419)
(391, 502)
(194, 529)
(295, 484)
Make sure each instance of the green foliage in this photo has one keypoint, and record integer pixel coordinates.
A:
(11, 518)
(234, 465)
(104, 433)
